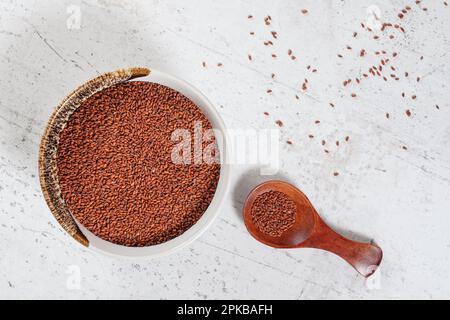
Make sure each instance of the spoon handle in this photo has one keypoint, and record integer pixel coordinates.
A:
(364, 257)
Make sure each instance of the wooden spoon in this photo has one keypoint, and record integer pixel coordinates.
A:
(310, 231)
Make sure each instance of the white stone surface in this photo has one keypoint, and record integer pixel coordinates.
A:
(400, 198)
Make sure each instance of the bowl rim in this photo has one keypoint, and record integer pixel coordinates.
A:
(96, 244)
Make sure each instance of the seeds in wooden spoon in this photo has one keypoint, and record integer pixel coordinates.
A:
(273, 213)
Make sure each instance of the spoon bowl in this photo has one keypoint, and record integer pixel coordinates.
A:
(310, 231)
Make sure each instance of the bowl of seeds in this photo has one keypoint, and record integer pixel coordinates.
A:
(134, 168)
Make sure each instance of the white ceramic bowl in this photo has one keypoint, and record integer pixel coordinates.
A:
(100, 245)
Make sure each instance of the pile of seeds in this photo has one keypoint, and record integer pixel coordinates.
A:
(273, 213)
(115, 168)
